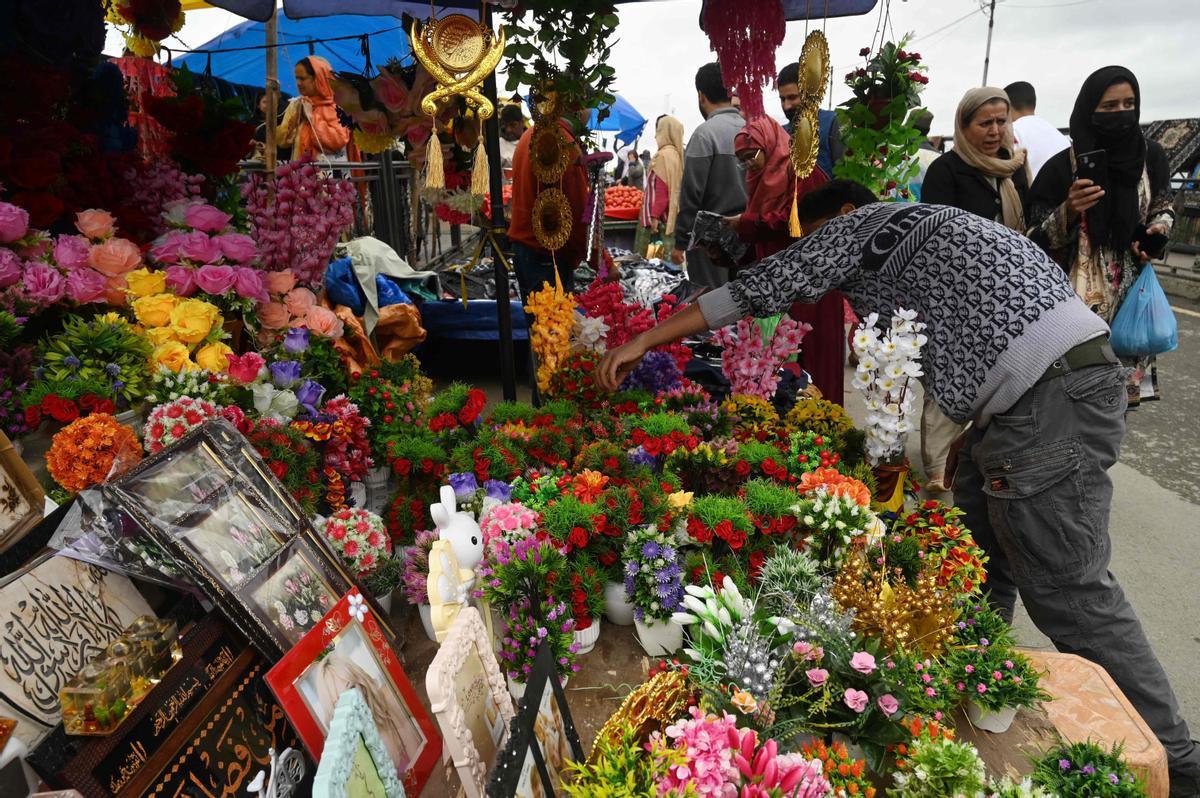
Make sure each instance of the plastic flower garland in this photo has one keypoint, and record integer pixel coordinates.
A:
(90, 450)
(359, 537)
(887, 362)
(752, 366)
(169, 422)
(554, 317)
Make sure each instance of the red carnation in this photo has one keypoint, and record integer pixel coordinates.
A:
(278, 469)
(63, 410)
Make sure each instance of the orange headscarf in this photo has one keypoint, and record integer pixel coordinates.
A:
(320, 131)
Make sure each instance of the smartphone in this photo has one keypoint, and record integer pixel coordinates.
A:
(1092, 166)
(1153, 244)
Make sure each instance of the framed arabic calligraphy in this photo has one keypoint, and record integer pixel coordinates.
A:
(350, 649)
(21, 497)
(55, 617)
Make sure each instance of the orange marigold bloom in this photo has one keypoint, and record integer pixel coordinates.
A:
(90, 450)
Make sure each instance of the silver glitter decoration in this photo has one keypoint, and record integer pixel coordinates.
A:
(824, 622)
(748, 659)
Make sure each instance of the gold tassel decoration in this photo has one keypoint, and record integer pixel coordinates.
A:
(435, 176)
(480, 177)
(794, 229)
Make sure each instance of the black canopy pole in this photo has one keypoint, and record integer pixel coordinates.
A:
(491, 129)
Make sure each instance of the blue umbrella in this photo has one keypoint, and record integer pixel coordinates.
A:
(296, 38)
(623, 119)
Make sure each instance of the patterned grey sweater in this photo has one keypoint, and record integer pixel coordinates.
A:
(999, 310)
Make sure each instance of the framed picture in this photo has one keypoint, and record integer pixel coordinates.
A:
(56, 615)
(541, 739)
(293, 594)
(349, 649)
(21, 498)
(233, 535)
(469, 697)
(355, 761)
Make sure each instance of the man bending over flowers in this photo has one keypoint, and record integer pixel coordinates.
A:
(1012, 349)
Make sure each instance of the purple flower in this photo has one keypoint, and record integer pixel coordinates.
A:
(1065, 764)
(309, 395)
(1113, 779)
(500, 491)
(249, 285)
(464, 485)
(640, 457)
(650, 550)
(657, 373)
(1088, 770)
(296, 340)
(285, 372)
(44, 284)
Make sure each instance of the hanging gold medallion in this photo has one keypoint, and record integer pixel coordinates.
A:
(549, 152)
(458, 53)
(806, 141)
(814, 69)
(552, 219)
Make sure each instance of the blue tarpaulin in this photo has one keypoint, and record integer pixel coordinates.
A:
(623, 119)
(385, 37)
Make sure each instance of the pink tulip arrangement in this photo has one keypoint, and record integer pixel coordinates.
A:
(299, 225)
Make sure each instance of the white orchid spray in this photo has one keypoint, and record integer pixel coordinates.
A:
(888, 360)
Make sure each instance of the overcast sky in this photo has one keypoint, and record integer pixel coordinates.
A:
(1054, 44)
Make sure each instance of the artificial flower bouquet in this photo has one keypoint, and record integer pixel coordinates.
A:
(720, 523)
(575, 379)
(938, 767)
(475, 498)
(984, 664)
(820, 417)
(393, 396)
(770, 507)
(186, 334)
(170, 421)
(585, 591)
(416, 567)
(340, 432)
(507, 521)
(660, 434)
(167, 386)
(750, 363)
(512, 573)
(359, 537)
(291, 458)
(91, 450)
(653, 574)
(948, 545)
(489, 457)
(709, 467)
(570, 522)
(106, 354)
(751, 418)
(1087, 769)
(454, 415)
(63, 401)
(526, 628)
(888, 362)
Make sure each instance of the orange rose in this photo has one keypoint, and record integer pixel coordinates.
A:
(95, 224)
(324, 321)
(279, 282)
(298, 301)
(274, 316)
(115, 257)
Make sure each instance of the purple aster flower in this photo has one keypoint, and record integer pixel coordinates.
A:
(72, 361)
(1088, 770)
(1065, 764)
(285, 372)
(464, 485)
(631, 568)
(1112, 779)
(296, 340)
(500, 491)
(650, 550)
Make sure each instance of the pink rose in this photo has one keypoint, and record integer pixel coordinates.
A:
(888, 704)
(14, 222)
(95, 224)
(862, 662)
(71, 252)
(325, 322)
(10, 268)
(215, 280)
(280, 282)
(166, 249)
(206, 218)
(249, 284)
(274, 316)
(856, 699)
(245, 369)
(44, 284)
(86, 285)
(298, 301)
(817, 676)
(199, 248)
(181, 280)
(115, 257)
(37, 249)
(389, 91)
(238, 248)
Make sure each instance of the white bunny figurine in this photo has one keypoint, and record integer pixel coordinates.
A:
(461, 531)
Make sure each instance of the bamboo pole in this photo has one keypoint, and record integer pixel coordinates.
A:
(271, 154)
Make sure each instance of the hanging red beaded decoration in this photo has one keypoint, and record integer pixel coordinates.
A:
(745, 35)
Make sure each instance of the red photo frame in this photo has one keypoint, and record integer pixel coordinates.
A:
(349, 648)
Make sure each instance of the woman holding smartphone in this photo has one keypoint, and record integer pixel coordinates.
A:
(1102, 207)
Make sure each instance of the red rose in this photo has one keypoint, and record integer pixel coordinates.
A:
(63, 410)
(278, 469)
(937, 519)
(608, 558)
(88, 401)
(33, 416)
(742, 468)
(104, 406)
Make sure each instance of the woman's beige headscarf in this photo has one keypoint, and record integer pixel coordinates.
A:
(993, 166)
(668, 163)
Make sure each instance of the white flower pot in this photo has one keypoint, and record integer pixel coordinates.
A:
(996, 721)
(586, 639)
(616, 605)
(426, 614)
(379, 486)
(659, 638)
(385, 604)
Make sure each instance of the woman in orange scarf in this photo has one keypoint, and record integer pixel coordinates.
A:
(310, 123)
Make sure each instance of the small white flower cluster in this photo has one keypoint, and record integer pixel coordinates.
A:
(167, 386)
(887, 361)
(589, 334)
(837, 520)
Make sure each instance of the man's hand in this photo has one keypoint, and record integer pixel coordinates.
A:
(677, 257)
(618, 363)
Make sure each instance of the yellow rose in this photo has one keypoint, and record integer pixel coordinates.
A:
(174, 356)
(680, 500)
(144, 282)
(155, 310)
(160, 335)
(193, 319)
(211, 357)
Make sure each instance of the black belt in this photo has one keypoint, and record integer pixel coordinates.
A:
(1095, 352)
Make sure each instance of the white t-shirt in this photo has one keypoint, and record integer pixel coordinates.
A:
(1040, 138)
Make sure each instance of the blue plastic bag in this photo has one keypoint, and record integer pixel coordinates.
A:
(1145, 324)
(389, 292)
(342, 286)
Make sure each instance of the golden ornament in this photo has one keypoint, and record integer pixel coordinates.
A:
(549, 152)
(814, 70)
(552, 219)
(806, 142)
(653, 706)
(458, 53)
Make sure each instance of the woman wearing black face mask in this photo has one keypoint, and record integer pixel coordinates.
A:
(1091, 230)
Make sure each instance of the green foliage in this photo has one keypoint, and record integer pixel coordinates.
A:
(658, 425)
(622, 768)
(450, 400)
(386, 577)
(323, 363)
(405, 369)
(768, 499)
(563, 411)
(67, 389)
(586, 587)
(105, 350)
(529, 569)
(712, 510)
(512, 413)
(903, 556)
(940, 768)
(561, 518)
(605, 457)
(488, 457)
(535, 493)
(755, 452)
(10, 329)
(167, 386)
(789, 580)
(563, 49)
(1087, 769)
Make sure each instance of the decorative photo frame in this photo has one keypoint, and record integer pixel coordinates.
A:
(539, 731)
(350, 648)
(470, 699)
(355, 761)
(22, 500)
